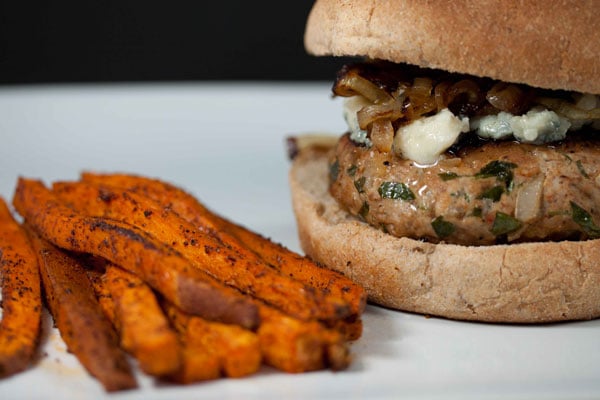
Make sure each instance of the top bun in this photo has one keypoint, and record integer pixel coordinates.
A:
(553, 45)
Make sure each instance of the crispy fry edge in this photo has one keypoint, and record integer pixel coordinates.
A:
(21, 296)
(80, 321)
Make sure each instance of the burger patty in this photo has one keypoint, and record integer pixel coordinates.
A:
(498, 192)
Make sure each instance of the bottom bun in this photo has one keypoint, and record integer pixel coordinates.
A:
(517, 283)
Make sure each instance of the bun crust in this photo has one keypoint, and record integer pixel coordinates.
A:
(522, 283)
(554, 45)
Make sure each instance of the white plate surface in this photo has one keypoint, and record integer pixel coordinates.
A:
(225, 143)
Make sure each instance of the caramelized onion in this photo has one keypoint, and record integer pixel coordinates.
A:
(402, 94)
(421, 88)
(567, 109)
(391, 111)
(420, 99)
(464, 89)
(351, 84)
(439, 95)
(508, 97)
(382, 135)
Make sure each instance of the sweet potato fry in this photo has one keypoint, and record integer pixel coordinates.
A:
(212, 349)
(102, 294)
(198, 364)
(287, 343)
(21, 298)
(350, 328)
(227, 262)
(143, 329)
(83, 327)
(288, 262)
(299, 346)
(158, 265)
(296, 266)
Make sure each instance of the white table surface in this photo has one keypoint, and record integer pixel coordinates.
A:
(225, 143)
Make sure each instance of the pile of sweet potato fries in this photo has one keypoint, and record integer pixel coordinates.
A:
(132, 265)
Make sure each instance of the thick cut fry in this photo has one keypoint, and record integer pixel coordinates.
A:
(350, 328)
(83, 327)
(199, 364)
(143, 329)
(302, 269)
(102, 294)
(227, 262)
(21, 298)
(288, 262)
(287, 343)
(211, 348)
(294, 265)
(300, 346)
(132, 249)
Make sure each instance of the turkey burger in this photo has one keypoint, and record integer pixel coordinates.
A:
(467, 184)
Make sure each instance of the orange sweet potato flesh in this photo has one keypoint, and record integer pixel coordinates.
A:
(21, 298)
(288, 262)
(226, 261)
(143, 328)
(212, 349)
(160, 266)
(192, 210)
(77, 314)
(286, 342)
(297, 346)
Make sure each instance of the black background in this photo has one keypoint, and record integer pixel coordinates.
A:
(99, 41)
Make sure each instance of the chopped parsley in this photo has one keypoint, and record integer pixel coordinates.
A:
(352, 170)
(584, 220)
(442, 227)
(565, 155)
(359, 184)
(504, 224)
(364, 210)
(395, 191)
(493, 193)
(461, 194)
(334, 170)
(582, 170)
(448, 176)
(501, 170)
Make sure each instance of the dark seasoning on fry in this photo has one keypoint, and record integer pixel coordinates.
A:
(135, 265)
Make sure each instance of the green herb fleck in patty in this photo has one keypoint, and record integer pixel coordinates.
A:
(442, 227)
(395, 191)
(584, 220)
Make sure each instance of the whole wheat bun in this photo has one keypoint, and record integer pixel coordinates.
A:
(517, 283)
(554, 45)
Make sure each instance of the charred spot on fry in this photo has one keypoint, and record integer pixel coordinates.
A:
(108, 227)
(106, 196)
